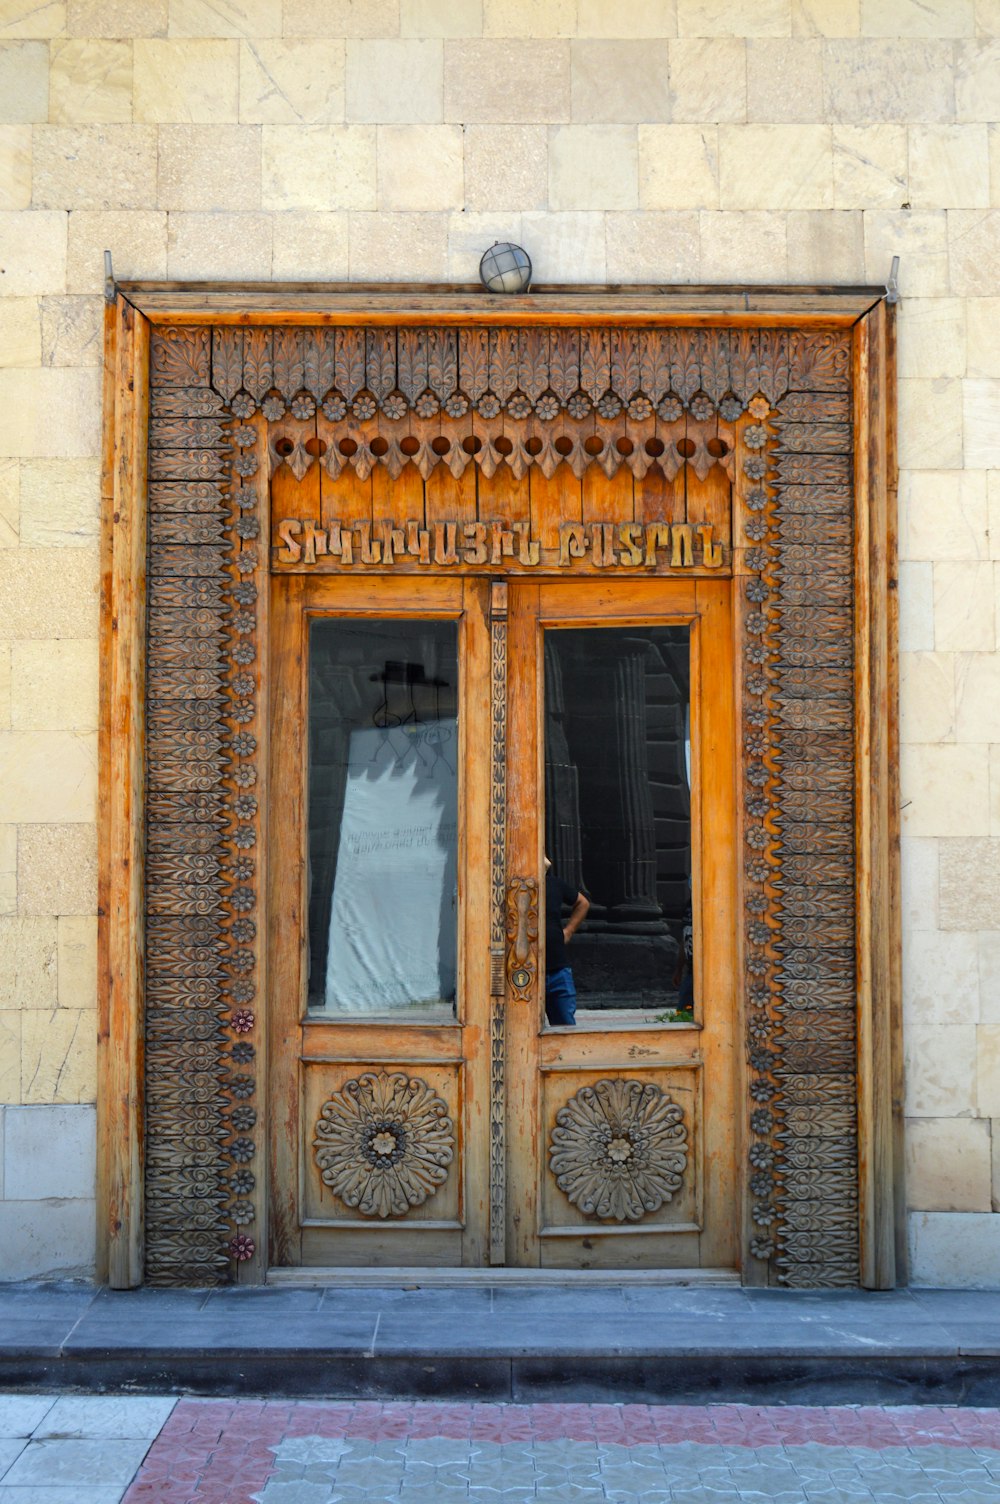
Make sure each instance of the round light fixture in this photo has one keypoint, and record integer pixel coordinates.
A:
(505, 268)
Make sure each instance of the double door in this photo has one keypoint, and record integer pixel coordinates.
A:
(460, 767)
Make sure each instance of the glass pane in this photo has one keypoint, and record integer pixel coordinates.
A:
(383, 817)
(618, 822)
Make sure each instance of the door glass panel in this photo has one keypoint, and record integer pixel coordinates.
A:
(383, 818)
(618, 819)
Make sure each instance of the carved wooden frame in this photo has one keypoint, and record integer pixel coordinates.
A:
(809, 379)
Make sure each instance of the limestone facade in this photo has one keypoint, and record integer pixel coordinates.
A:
(794, 141)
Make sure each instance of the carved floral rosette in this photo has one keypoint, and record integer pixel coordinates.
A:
(619, 1149)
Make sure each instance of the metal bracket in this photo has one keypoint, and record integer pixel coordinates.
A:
(110, 289)
(892, 286)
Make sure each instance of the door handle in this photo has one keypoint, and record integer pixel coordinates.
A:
(522, 936)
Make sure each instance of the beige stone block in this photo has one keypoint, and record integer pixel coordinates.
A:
(948, 1164)
(441, 18)
(10, 516)
(949, 167)
(77, 962)
(869, 166)
(57, 868)
(987, 18)
(919, 884)
(945, 789)
(784, 80)
(58, 1055)
(50, 412)
(420, 167)
(750, 247)
(993, 504)
(927, 697)
(470, 233)
(195, 81)
(593, 167)
(977, 80)
(931, 337)
(988, 1070)
(45, 593)
(506, 167)
(775, 167)
(940, 1069)
(24, 82)
(225, 18)
(566, 247)
(514, 81)
(90, 82)
(945, 514)
(319, 167)
(292, 82)
(930, 424)
(8, 852)
(678, 167)
(226, 247)
(917, 18)
(974, 252)
(940, 976)
(15, 167)
(10, 1057)
(32, 253)
(395, 81)
(398, 247)
(728, 18)
(970, 883)
(989, 979)
(32, 18)
(916, 608)
(209, 167)
(826, 18)
(526, 18)
(310, 247)
(60, 503)
(653, 247)
(20, 332)
(116, 18)
(27, 962)
(620, 82)
(983, 339)
(53, 686)
(642, 18)
(977, 694)
(954, 1250)
(137, 240)
(72, 331)
(919, 239)
(981, 423)
(708, 80)
(825, 246)
(94, 167)
(49, 775)
(341, 18)
(888, 80)
(964, 609)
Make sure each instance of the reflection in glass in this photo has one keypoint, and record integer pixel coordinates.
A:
(383, 817)
(618, 811)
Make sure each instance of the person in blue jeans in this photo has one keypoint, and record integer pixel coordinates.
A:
(560, 989)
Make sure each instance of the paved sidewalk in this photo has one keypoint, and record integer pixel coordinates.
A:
(74, 1449)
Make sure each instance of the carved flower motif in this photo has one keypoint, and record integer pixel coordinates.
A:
(363, 407)
(245, 776)
(761, 1156)
(242, 960)
(755, 684)
(754, 743)
(756, 623)
(246, 498)
(394, 406)
(242, 1086)
(243, 1182)
(756, 558)
(243, 992)
(243, 1118)
(547, 407)
(246, 562)
(761, 1184)
(757, 590)
(761, 1121)
(619, 1149)
(757, 966)
(243, 1021)
(669, 410)
(243, 438)
(243, 1051)
(763, 1213)
(244, 837)
(755, 437)
(758, 407)
(759, 1027)
(242, 899)
(730, 409)
(762, 1060)
(334, 407)
(755, 529)
(519, 406)
(383, 1143)
(578, 406)
(242, 1248)
(426, 405)
(245, 806)
(639, 409)
(245, 464)
(245, 593)
(702, 407)
(761, 1248)
(761, 1091)
(756, 652)
(243, 711)
(756, 904)
(243, 405)
(242, 1213)
(244, 744)
(303, 406)
(757, 807)
(273, 408)
(488, 405)
(757, 838)
(610, 405)
(756, 498)
(242, 1150)
(244, 622)
(243, 869)
(755, 716)
(247, 527)
(755, 466)
(757, 872)
(457, 405)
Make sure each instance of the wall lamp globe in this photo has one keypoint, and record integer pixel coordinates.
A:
(505, 267)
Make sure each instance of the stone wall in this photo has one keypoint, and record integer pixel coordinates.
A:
(661, 140)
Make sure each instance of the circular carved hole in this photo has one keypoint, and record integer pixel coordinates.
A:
(624, 445)
(348, 447)
(409, 445)
(563, 445)
(283, 446)
(315, 447)
(503, 445)
(686, 447)
(533, 445)
(379, 446)
(440, 445)
(717, 447)
(654, 447)
(471, 444)
(593, 445)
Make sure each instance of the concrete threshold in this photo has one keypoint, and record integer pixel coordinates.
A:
(533, 1279)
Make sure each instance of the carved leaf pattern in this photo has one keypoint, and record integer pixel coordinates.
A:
(350, 362)
(595, 363)
(743, 369)
(654, 364)
(317, 362)
(624, 363)
(288, 361)
(503, 362)
(384, 1143)
(685, 370)
(619, 1149)
(381, 361)
(179, 357)
(474, 362)
(564, 363)
(258, 375)
(227, 361)
(533, 362)
(442, 362)
(413, 365)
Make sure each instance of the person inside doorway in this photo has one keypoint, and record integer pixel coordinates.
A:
(560, 989)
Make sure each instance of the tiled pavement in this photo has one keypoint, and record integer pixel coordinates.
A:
(87, 1451)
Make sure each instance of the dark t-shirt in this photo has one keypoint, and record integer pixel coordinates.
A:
(557, 894)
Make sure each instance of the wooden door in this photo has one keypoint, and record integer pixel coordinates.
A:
(622, 1129)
